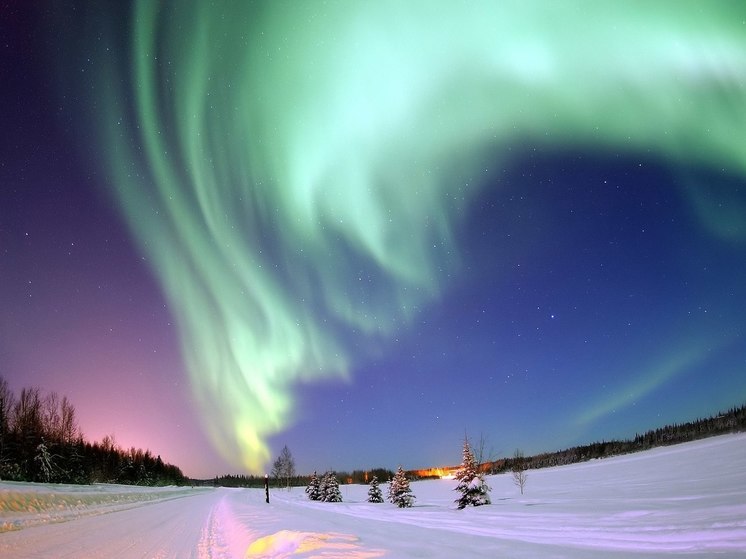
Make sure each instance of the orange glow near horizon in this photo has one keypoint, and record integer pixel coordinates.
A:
(446, 472)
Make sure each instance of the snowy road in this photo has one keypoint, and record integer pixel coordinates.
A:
(170, 528)
(229, 523)
(686, 500)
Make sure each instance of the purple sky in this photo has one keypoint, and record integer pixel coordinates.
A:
(591, 302)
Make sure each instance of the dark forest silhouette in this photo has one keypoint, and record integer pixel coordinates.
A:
(732, 421)
(40, 441)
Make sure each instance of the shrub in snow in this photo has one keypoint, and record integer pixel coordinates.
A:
(519, 470)
(330, 492)
(474, 490)
(314, 488)
(399, 491)
(374, 492)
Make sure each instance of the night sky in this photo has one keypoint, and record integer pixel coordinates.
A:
(365, 229)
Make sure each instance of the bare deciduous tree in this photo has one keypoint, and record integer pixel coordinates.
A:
(51, 417)
(69, 431)
(483, 456)
(284, 467)
(27, 413)
(519, 470)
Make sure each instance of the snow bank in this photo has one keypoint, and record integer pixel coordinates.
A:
(25, 504)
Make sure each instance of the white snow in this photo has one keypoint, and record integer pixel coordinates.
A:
(683, 500)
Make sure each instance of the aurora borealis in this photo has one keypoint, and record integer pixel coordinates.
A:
(523, 219)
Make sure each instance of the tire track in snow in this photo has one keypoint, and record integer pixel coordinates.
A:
(224, 536)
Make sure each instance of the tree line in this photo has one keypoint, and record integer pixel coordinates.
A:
(230, 480)
(361, 477)
(40, 441)
(734, 420)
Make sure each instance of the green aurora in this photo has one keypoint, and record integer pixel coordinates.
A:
(295, 171)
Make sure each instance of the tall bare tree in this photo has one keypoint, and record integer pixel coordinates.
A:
(27, 413)
(283, 468)
(69, 430)
(51, 417)
(29, 428)
(483, 456)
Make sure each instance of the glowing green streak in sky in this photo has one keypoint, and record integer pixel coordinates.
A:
(650, 379)
(295, 169)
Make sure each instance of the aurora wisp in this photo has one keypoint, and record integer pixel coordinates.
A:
(295, 171)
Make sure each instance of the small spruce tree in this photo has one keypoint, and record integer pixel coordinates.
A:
(331, 489)
(399, 491)
(474, 490)
(314, 488)
(323, 487)
(374, 492)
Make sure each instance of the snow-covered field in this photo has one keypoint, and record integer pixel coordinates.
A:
(687, 500)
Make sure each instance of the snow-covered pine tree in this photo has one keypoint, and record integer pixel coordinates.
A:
(45, 460)
(474, 490)
(399, 491)
(322, 486)
(314, 488)
(374, 492)
(331, 492)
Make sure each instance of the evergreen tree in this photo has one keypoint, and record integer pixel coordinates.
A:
(322, 486)
(374, 492)
(313, 490)
(331, 493)
(474, 490)
(399, 491)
